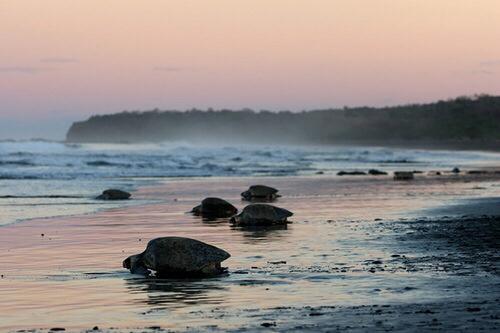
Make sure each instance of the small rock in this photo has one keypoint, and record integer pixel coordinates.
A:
(57, 329)
(239, 272)
(268, 324)
(351, 173)
(473, 309)
(95, 328)
(375, 172)
(276, 262)
(477, 172)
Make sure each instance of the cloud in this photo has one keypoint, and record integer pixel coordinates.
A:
(472, 72)
(167, 69)
(59, 60)
(23, 69)
(490, 63)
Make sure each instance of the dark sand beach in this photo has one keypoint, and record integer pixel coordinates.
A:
(362, 254)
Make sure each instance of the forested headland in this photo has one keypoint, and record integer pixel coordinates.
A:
(464, 120)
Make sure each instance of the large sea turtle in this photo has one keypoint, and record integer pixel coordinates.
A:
(177, 257)
(214, 208)
(260, 192)
(261, 215)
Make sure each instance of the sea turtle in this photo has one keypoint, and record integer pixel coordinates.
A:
(261, 215)
(177, 257)
(113, 194)
(215, 208)
(262, 192)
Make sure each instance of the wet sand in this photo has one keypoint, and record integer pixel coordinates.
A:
(362, 253)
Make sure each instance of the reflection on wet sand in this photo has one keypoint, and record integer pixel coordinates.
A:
(165, 294)
(253, 234)
(260, 200)
(214, 221)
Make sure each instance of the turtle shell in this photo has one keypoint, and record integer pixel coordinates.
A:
(181, 256)
(215, 207)
(260, 191)
(114, 194)
(262, 214)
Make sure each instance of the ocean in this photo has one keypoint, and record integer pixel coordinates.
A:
(41, 179)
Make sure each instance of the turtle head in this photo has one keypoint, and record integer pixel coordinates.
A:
(235, 219)
(135, 265)
(132, 261)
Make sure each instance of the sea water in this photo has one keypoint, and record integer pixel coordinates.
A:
(45, 179)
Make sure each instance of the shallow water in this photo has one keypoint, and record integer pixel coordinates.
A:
(334, 253)
(33, 172)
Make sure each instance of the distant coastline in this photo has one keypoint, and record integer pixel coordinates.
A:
(461, 123)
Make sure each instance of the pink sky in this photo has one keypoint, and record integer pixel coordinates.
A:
(71, 59)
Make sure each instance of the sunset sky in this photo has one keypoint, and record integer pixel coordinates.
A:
(64, 60)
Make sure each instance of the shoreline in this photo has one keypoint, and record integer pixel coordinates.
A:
(491, 173)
